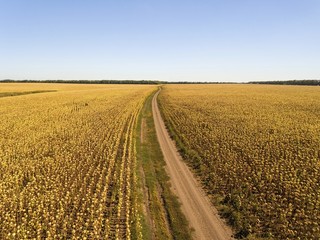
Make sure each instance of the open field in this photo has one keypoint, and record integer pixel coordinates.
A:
(68, 161)
(256, 150)
(83, 161)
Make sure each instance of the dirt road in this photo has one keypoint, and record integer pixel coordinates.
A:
(202, 216)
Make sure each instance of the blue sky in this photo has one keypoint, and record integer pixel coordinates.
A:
(200, 40)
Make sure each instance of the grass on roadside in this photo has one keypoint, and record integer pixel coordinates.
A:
(163, 208)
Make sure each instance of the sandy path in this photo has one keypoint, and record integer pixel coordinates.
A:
(202, 216)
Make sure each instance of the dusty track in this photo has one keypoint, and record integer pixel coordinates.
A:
(196, 206)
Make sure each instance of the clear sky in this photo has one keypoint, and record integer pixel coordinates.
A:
(199, 40)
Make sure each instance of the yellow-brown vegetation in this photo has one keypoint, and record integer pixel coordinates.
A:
(258, 147)
(68, 161)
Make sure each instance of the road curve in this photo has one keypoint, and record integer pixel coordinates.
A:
(202, 216)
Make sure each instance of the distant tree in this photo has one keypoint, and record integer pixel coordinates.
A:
(290, 82)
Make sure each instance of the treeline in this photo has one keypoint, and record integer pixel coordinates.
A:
(110, 82)
(86, 81)
(185, 82)
(291, 82)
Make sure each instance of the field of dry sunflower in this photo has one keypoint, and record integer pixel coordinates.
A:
(67, 161)
(257, 148)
